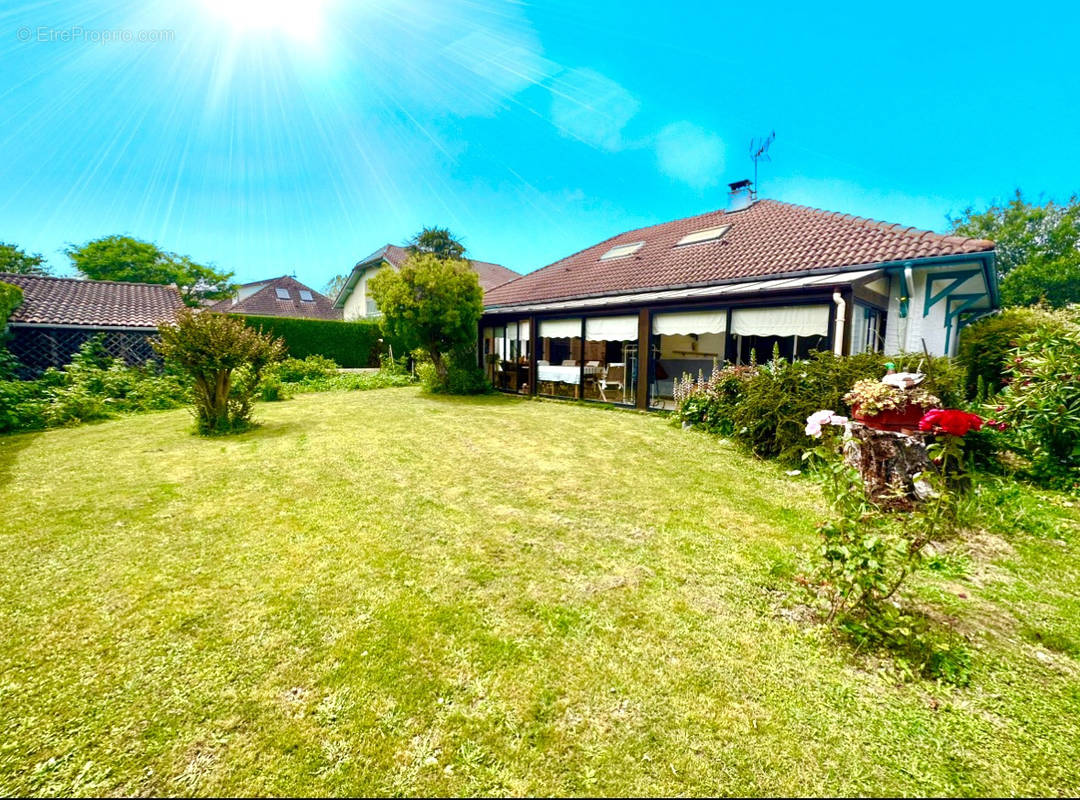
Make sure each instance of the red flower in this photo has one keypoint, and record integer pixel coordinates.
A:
(950, 420)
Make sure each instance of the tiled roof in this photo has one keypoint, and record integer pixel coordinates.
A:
(266, 303)
(72, 301)
(766, 239)
(490, 275)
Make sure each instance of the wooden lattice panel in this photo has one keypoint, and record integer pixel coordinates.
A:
(38, 348)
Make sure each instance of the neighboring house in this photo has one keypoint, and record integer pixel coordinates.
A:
(278, 297)
(621, 320)
(58, 315)
(355, 300)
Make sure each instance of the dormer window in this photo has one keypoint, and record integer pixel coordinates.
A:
(622, 250)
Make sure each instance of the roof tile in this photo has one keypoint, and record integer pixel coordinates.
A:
(266, 303)
(73, 301)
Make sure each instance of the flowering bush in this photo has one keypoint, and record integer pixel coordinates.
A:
(764, 406)
(1041, 404)
(873, 397)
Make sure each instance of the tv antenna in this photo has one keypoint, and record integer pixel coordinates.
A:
(759, 151)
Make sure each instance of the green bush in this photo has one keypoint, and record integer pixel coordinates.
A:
(985, 346)
(297, 370)
(1041, 403)
(224, 360)
(350, 344)
(765, 406)
(463, 376)
(93, 386)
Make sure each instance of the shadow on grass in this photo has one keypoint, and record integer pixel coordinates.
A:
(917, 644)
(10, 447)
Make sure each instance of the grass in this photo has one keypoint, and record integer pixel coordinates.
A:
(384, 593)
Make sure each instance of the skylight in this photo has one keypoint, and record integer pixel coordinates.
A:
(704, 235)
(283, 294)
(306, 295)
(622, 250)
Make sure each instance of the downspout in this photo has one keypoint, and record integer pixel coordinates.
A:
(839, 323)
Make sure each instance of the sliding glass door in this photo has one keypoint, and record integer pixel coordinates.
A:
(684, 343)
(611, 359)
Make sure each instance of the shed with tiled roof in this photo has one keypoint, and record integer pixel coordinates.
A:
(58, 315)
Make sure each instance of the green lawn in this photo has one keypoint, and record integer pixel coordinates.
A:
(380, 592)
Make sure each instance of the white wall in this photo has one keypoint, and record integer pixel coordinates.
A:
(908, 334)
(356, 303)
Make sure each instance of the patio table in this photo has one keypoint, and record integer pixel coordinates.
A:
(556, 373)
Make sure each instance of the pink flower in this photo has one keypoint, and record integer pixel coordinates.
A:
(819, 418)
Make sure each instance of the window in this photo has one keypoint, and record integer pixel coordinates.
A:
(508, 363)
(866, 330)
(622, 250)
(792, 331)
(558, 358)
(611, 359)
(372, 309)
(704, 235)
(305, 295)
(684, 343)
(283, 294)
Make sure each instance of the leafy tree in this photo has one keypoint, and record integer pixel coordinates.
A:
(431, 303)
(14, 259)
(334, 285)
(437, 241)
(1042, 280)
(225, 359)
(130, 260)
(1038, 248)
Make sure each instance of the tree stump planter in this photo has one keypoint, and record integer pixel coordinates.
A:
(888, 462)
(906, 421)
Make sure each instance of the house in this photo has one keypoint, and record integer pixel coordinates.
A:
(622, 320)
(58, 315)
(355, 302)
(278, 297)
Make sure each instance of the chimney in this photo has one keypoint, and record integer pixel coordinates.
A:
(741, 195)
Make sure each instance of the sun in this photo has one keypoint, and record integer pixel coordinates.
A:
(297, 19)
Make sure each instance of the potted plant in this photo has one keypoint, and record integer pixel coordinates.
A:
(888, 408)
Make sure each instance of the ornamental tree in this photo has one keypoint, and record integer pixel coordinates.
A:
(225, 359)
(430, 303)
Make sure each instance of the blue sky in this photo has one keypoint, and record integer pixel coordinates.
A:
(279, 136)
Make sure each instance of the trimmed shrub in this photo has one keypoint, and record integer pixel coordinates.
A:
(986, 346)
(224, 360)
(350, 344)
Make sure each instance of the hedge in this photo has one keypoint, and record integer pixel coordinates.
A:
(350, 344)
(10, 298)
